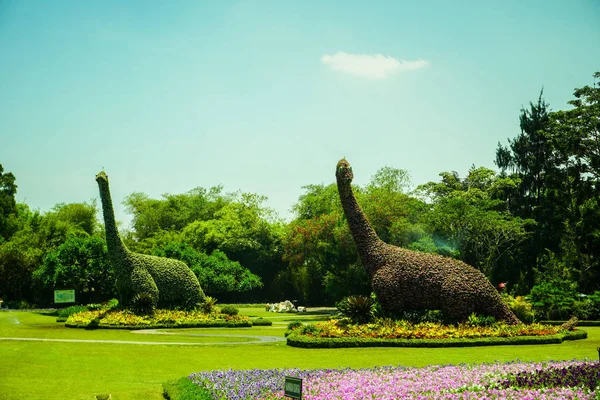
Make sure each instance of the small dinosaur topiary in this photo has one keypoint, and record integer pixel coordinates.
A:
(408, 280)
(170, 282)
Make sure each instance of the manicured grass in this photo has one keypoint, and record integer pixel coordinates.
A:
(58, 370)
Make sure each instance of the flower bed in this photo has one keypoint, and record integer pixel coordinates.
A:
(124, 319)
(516, 380)
(336, 333)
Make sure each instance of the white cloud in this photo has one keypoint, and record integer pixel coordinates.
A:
(375, 66)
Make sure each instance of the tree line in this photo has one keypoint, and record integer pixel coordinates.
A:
(532, 224)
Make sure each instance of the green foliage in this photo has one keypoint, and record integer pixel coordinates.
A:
(476, 224)
(185, 389)
(8, 204)
(554, 299)
(143, 304)
(260, 321)
(480, 320)
(81, 263)
(216, 273)
(588, 307)
(359, 309)
(520, 307)
(295, 325)
(424, 316)
(66, 312)
(209, 305)
(229, 310)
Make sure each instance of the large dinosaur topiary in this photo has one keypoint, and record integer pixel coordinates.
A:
(408, 280)
(170, 282)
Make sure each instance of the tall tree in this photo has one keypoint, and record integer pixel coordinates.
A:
(531, 159)
(471, 217)
(8, 204)
(577, 139)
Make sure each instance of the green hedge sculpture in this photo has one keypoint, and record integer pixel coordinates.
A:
(170, 282)
(409, 280)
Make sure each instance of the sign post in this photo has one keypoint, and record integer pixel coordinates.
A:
(64, 296)
(293, 388)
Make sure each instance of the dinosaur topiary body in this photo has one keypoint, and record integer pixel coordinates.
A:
(170, 282)
(408, 280)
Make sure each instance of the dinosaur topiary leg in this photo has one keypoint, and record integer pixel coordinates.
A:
(142, 282)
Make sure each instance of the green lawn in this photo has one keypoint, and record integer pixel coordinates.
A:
(57, 370)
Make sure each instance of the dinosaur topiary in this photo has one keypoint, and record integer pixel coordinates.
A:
(170, 282)
(408, 280)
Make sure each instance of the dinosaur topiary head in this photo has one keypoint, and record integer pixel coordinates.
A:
(343, 172)
(101, 177)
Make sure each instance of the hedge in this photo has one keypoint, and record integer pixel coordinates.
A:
(298, 340)
(206, 324)
(260, 321)
(580, 323)
(184, 389)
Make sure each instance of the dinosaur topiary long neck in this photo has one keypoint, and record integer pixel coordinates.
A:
(366, 239)
(113, 240)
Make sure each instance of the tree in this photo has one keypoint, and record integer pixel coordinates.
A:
(247, 232)
(531, 158)
(467, 215)
(173, 212)
(8, 205)
(217, 274)
(80, 263)
(576, 135)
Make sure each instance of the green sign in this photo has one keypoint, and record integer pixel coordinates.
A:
(293, 388)
(64, 296)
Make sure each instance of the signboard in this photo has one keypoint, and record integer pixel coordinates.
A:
(64, 296)
(293, 388)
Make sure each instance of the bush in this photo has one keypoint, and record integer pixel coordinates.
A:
(359, 309)
(229, 310)
(480, 320)
(520, 307)
(209, 305)
(67, 312)
(554, 299)
(185, 389)
(260, 321)
(143, 304)
(422, 316)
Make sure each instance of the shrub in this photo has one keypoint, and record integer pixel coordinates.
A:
(260, 321)
(184, 388)
(424, 316)
(554, 299)
(309, 329)
(360, 309)
(480, 320)
(67, 312)
(112, 303)
(520, 307)
(143, 304)
(229, 310)
(209, 305)
(295, 325)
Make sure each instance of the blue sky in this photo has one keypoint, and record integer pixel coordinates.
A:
(267, 96)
